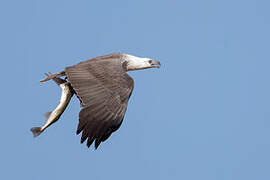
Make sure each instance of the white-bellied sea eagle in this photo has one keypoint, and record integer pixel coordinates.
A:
(103, 88)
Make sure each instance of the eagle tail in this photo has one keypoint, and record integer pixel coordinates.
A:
(36, 131)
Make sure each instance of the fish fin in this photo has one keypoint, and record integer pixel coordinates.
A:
(36, 131)
(47, 114)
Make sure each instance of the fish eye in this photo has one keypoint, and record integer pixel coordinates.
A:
(150, 61)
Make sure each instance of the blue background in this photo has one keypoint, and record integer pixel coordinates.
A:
(204, 115)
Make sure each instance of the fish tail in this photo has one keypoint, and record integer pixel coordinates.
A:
(36, 131)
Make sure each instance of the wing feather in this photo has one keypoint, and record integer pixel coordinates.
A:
(103, 88)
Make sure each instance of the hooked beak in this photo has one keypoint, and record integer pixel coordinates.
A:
(155, 64)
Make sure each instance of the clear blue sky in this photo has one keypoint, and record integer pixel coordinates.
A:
(205, 115)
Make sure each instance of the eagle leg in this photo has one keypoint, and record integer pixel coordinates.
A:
(57, 80)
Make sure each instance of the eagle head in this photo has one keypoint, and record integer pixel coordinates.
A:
(133, 63)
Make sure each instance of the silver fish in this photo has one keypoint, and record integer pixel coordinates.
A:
(53, 116)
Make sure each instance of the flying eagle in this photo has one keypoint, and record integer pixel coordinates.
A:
(103, 88)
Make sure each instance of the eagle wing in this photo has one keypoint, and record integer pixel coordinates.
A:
(103, 88)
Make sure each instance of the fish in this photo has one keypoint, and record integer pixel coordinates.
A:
(52, 117)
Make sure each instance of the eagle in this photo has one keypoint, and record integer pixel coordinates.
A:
(103, 87)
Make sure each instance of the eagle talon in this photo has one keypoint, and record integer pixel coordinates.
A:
(52, 76)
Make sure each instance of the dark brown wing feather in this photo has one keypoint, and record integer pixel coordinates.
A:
(103, 88)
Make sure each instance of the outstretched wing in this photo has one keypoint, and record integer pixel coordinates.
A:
(103, 88)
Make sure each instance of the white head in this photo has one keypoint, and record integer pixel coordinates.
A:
(132, 63)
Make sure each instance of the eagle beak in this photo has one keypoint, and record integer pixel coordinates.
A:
(155, 64)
